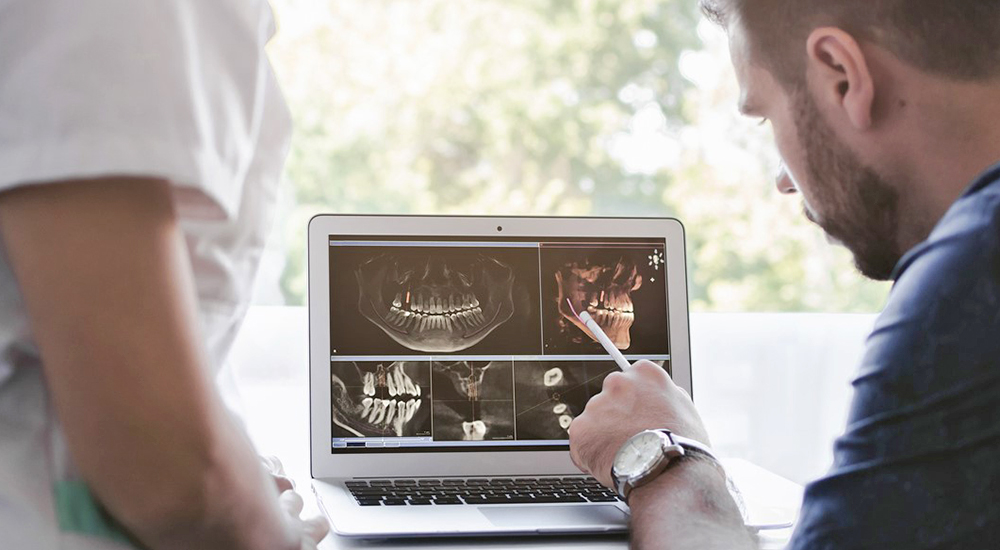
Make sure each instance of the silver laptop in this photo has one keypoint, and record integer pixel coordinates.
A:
(445, 369)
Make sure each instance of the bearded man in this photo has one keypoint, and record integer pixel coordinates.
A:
(887, 116)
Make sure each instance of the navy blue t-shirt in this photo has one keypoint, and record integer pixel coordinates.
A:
(919, 464)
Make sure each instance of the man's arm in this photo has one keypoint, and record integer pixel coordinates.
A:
(108, 288)
(688, 506)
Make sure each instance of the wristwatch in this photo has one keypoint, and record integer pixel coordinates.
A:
(648, 454)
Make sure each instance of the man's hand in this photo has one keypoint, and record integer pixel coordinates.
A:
(642, 398)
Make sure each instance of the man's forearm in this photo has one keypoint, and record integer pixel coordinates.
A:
(688, 506)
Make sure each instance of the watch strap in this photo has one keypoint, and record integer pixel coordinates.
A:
(689, 447)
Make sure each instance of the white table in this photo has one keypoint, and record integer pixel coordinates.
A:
(740, 389)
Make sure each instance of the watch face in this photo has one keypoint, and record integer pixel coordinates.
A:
(640, 454)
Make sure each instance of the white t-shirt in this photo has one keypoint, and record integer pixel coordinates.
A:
(176, 89)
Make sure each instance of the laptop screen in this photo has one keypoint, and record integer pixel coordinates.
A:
(452, 344)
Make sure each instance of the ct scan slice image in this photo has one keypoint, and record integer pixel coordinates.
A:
(435, 300)
(380, 398)
(473, 400)
(473, 380)
(622, 288)
(473, 420)
(550, 394)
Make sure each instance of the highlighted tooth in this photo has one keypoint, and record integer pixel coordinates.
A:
(367, 403)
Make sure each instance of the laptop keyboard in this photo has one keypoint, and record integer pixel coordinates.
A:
(452, 491)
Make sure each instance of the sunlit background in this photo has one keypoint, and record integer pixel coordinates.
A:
(566, 107)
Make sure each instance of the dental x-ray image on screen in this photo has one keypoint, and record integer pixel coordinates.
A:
(551, 394)
(622, 287)
(435, 300)
(473, 380)
(380, 398)
(473, 400)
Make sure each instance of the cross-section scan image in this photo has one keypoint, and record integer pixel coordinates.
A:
(435, 300)
(550, 394)
(473, 400)
(473, 420)
(472, 380)
(380, 399)
(622, 288)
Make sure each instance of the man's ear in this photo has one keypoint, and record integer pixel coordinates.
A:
(839, 75)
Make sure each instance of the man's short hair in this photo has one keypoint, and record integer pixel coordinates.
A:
(952, 38)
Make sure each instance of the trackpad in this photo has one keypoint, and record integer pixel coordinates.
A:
(554, 516)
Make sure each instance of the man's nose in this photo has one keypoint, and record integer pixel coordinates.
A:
(784, 182)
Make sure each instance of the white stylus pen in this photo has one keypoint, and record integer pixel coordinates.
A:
(595, 329)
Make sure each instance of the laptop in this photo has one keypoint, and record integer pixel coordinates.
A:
(445, 369)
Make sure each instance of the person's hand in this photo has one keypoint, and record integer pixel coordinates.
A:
(314, 529)
(641, 398)
(277, 471)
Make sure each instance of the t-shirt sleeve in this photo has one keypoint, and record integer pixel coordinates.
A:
(919, 464)
(168, 89)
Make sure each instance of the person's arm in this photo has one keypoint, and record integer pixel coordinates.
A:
(109, 293)
(688, 506)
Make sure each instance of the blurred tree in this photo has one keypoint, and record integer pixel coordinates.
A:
(568, 107)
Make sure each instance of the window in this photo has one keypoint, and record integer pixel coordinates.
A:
(585, 107)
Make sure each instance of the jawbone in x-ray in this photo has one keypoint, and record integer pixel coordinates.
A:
(380, 399)
(473, 400)
(436, 304)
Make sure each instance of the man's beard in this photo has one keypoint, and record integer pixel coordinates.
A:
(858, 207)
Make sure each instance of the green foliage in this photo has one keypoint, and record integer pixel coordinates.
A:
(568, 107)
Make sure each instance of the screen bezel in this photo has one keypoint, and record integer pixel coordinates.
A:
(555, 460)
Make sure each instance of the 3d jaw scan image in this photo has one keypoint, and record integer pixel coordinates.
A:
(435, 301)
(622, 288)
(473, 400)
(380, 399)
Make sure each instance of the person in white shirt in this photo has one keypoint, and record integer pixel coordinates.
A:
(140, 146)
